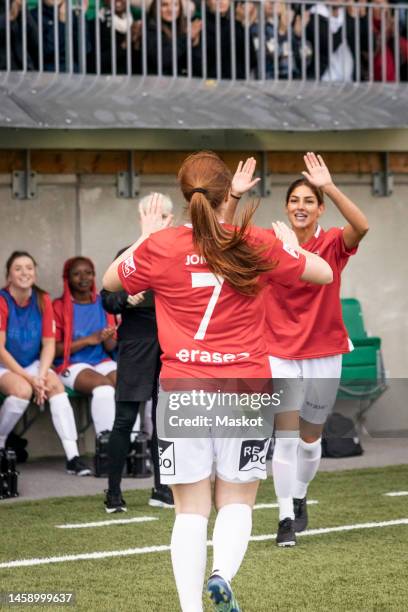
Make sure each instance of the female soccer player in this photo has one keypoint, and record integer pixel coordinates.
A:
(85, 333)
(307, 337)
(27, 348)
(206, 278)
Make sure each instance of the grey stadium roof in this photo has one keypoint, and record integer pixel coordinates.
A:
(79, 102)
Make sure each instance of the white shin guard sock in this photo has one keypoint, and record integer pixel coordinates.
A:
(11, 412)
(64, 422)
(308, 461)
(232, 531)
(189, 558)
(103, 408)
(284, 467)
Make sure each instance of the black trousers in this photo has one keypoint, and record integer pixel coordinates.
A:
(119, 442)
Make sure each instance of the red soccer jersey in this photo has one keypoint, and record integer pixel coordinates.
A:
(305, 321)
(206, 329)
(48, 324)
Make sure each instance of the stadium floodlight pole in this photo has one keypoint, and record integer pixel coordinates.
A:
(8, 41)
(261, 34)
(113, 38)
(204, 39)
(128, 39)
(24, 33)
(159, 38)
(40, 37)
(98, 37)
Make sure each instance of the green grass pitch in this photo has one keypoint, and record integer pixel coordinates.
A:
(359, 570)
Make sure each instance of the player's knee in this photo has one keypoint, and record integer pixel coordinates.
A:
(310, 438)
(21, 389)
(54, 385)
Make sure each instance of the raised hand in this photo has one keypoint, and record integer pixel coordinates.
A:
(317, 172)
(243, 180)
(152, 218)
(285, 234)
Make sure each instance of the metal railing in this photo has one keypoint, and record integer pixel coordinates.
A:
(207, 39)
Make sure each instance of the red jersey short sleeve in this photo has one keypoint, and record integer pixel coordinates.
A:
(134, 272)
(59, 319)
(48, 322)
(3, 314)
(305, 321)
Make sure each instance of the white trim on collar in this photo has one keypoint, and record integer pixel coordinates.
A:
(317, 232)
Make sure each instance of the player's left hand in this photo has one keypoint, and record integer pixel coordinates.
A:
(243, 180)
(317, 172)
(285, 234)
(152, 219)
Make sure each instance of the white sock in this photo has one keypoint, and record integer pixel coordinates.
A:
(64, 422)
(103, 408)
(189, 558)
(232, 530)
(284, 473)
(11, 412)
(308, 462)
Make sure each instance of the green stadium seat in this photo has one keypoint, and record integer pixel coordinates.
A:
(363, 374)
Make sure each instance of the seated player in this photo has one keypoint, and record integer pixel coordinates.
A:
(27, 349)
(85, 336)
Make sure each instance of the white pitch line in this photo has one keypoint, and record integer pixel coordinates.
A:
(137, 519)
(396, 493)
(310, 502)
(165, 548)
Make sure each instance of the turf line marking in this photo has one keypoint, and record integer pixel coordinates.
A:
(137, 519)
(396, 493)
(165, 548)
(310, 502)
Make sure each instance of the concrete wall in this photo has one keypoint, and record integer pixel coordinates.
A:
(82, 215)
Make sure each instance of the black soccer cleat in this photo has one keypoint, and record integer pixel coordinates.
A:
(286, 534)
(114, 502)
(77, 467)
(161, 498)
(301, 518)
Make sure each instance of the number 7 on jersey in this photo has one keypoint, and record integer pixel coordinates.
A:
(206, 279)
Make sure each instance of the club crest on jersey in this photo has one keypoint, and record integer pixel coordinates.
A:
(290, 250)
(166, 458)
(253, 455)
(128, 266)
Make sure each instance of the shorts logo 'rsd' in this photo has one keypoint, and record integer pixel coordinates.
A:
(128, 266)
(253, 455)
(166, 458)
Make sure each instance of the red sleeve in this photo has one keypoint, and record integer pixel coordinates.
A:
(3, 314)
(290, 263)
(59, 325)
(48, 322)
(134, 272)
(342, 252)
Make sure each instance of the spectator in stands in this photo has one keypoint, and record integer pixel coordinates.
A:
(384, 59)
(122, 23)
(172, 19)
(85, 336)
(16, 38)
(280, 46)
(27, 348)
(223, 7)
(54, 22)
(339, 24)
(138, 371)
